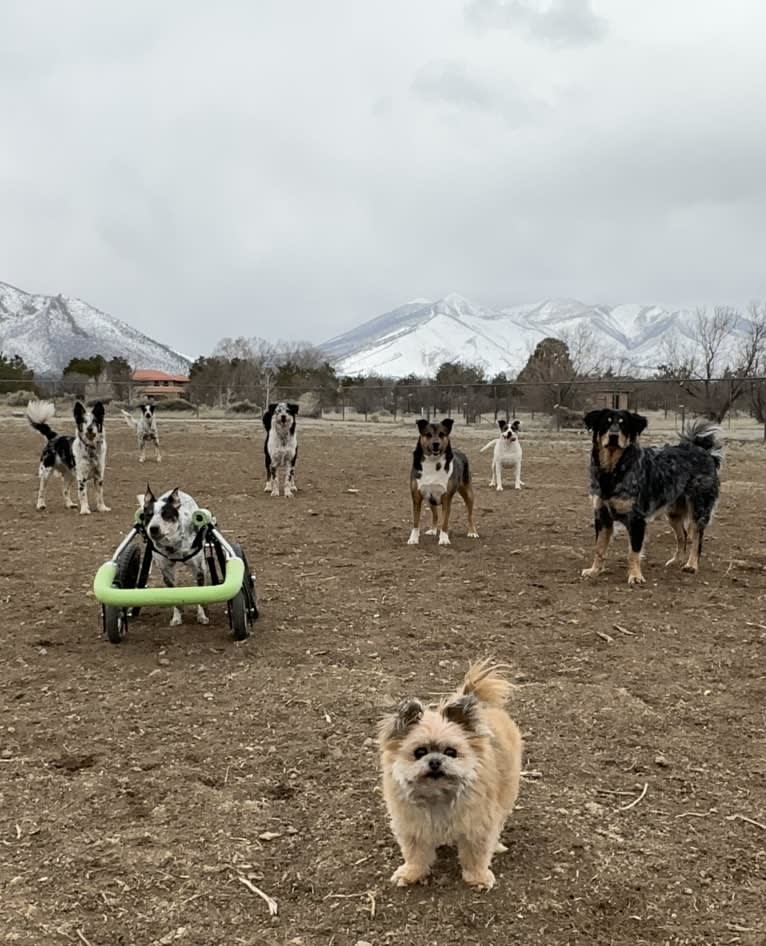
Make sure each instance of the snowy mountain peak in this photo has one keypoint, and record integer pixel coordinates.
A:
(48, 331)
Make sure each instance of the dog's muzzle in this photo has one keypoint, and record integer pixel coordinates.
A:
(614, 440)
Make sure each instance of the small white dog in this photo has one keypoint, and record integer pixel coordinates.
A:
(507, 453)
(146, 430)
(280, 448)
(168, 523)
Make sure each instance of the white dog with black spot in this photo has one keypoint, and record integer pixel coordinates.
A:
(507, 452)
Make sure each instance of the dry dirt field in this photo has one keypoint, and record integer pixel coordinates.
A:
(144, 787)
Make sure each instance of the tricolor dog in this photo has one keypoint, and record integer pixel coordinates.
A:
(281, 446)
(79, 459)
(171, 530)
(438, 472)
(507, 452)
(146, 430)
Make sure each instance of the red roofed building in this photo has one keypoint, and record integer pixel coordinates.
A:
(159, 384)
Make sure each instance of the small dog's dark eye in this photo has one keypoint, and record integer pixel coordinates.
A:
(452, 753)
(420, 752)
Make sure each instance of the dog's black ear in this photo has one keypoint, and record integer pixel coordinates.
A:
(293, 408)
(636, 424)
(151, 408)
(79, 412)
(273, 407)
(149, 497)
(464, 711)
(516, 425)
(502, 424)
(447, 424)
(422, 424)
(174, 499)
(267, 420)
(592, 418)
(396, 726)
(99, 413)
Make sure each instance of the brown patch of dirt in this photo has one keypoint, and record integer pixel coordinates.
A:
(138, 783)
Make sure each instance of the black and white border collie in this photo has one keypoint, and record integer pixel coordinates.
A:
(168, 523)
(507, 452)
(146, 430)
(281, 446)
(81, 458)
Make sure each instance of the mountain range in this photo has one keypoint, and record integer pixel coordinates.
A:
(417, 337)
(48, 331)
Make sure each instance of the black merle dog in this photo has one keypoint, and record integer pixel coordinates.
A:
(280, 449)
(631, 485)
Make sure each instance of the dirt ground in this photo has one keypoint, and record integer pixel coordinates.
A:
(142, 785)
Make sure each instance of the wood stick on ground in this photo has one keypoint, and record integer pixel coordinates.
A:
(611, 791)
(747, 820)
(605, 637)
(270, 902)
(83, 938)
(623, 630)
(635, 800)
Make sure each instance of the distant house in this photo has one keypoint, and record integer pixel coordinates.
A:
(154, 385)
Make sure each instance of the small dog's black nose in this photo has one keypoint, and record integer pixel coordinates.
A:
(614, 439)
(434, 764)
(154, 531)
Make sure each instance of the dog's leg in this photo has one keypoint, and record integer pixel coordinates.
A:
(434, 530)
(696, 533)
(168, 572)
(68, 482)
(418, 857)
(274, 480)
(82, 495)
(200, 577)
(44, 474)
(518, 483)
(417, 503)
(492, 477)
(604, 527)
(466, 491)
(290, 487)
(636, 533)
(157, 448)
(100, 504)
(446, 510)
(499, 475)
(676, 518)
(475, 854)
(141, 450)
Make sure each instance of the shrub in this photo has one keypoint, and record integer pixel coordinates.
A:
(175, 404)
(310, 404)
(20, 398)
(243, 407)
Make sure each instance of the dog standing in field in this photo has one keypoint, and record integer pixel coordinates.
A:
(438, 472)
(80, 459)
(281, 446)
(507, 452)
(146, 430)
(168, 523)
(451, 776)
(630, 485)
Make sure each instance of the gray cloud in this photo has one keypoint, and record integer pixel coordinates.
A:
(558, 22)
(288, 170)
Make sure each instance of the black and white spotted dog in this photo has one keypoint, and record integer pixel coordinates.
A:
(146, 430)
(507, 452)
(281, 446)
(168, 522)
(80, 459)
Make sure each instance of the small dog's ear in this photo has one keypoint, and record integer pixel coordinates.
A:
(422, 424)
(79, 412)
(447, 424)
(396, 726)
(272, 407)
(591, 419)
(174, 499)
(98, 412)
(148, 499)
(293, 408)
(267, 420)
(516, 425)
(502, 424)
(464, 711)
(637, 424)
(151, 408)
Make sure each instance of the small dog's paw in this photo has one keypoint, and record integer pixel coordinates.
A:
(41, 507)
(517, 486)
(483, 879)
(671, 561)
(84, 511)
(202, 618)
(590, 572)
(267, 488)
(690, 569)
(69, 505)
(275, 492)
(406, 876)
(636, 580)
(473, 535)
(142, 459)
(414, 538)
(103, 508)
(432, 531)
(177, 618)
(444, 538)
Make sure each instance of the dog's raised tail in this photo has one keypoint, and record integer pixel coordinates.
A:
(707, 435)
(129, 419)
(486, 681)
(38, 415)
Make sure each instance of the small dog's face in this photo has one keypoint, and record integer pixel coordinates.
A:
(89, 421)
(509, 432)
(434, 438)
(147, 412)
(614, 430)
(162, 518)
(283, 414)
(432, 753)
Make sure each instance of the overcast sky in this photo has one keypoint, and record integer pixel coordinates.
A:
(290, 169)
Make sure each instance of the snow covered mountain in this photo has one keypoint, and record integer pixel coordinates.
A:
(418, 336)
(48, 331)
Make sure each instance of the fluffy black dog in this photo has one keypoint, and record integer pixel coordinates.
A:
(631, 485)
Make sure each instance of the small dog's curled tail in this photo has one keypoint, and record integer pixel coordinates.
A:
(708, 436)
(486, 681)
(129, 419)
(38, 415)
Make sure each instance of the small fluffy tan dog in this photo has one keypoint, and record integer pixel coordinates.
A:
(451, 776)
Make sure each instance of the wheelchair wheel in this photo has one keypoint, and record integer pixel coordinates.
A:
(128, 568)
(243, 609)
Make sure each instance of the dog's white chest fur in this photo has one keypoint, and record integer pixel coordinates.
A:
(434, 478)
(507, 451)
(282, 447)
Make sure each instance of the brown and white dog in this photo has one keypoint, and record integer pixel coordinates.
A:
(438, 472)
